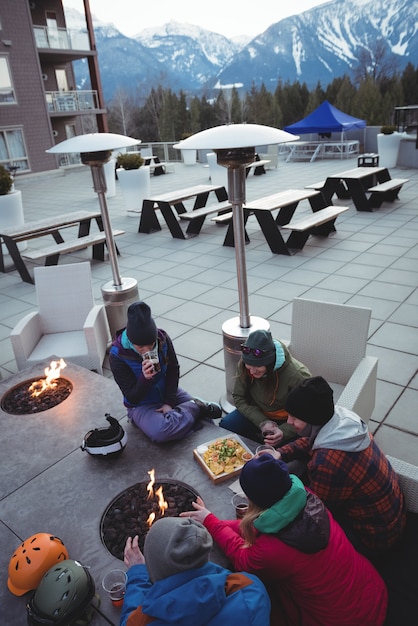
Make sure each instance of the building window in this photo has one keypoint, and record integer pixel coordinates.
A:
(13, 150)
(7, 93)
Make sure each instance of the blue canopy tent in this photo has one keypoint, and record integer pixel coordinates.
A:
(327, 119)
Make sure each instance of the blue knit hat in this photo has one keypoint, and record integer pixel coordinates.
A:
(265, 480)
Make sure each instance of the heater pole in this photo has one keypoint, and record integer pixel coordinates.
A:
(100, 188)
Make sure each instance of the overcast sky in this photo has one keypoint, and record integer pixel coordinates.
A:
(227, 17)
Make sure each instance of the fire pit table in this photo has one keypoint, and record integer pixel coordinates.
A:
(50, 485)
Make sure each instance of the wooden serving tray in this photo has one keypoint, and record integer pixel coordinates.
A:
(218, 478)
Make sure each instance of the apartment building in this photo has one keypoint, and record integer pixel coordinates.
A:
(40, 104)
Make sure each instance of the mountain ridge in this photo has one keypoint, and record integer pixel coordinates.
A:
(318, 45)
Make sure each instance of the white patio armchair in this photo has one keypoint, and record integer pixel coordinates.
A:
(330, 339)
(67, 324)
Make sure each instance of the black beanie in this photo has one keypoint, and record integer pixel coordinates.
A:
(262, 340)
(141, 328)
(265, 480)
(311, 401)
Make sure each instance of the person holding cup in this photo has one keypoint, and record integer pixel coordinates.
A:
(293, 544)
(145, 367)
(266, 373)
(173, 581)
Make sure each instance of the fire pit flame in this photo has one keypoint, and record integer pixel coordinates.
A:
(52, 373)
(150, 486)
(163, 505)
(161, 502)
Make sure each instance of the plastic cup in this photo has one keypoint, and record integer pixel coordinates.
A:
(114, 583)
(268, 428)
(152, 355)
(240, 504)
(264, 449)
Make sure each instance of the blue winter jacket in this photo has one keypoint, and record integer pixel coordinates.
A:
(126, 365)
(207, 596)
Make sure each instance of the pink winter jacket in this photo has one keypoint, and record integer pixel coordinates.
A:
(336, 586)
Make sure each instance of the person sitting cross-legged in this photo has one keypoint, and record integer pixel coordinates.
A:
(266, 373)
(150, 388)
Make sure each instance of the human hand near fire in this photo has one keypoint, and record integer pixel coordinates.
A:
(132, 554)
(201, 512)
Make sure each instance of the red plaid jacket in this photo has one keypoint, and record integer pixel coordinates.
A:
(361, 489)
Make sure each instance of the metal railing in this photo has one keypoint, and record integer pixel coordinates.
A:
(61, 38)
(67, 101)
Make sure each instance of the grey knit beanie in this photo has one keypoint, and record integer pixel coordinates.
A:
(175, 544)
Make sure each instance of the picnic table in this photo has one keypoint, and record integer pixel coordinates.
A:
(172, 208)
(285, 202)
(368, 187)
(11, 237)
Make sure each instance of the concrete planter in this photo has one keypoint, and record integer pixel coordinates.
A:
(11, 214)
(109, 172)
(388, 149)
(189, 157)
(136, 186)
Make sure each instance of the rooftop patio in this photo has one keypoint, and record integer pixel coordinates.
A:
(50, 485)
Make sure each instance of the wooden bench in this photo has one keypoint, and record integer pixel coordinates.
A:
(223, 218)
(388, 191)
(197, 217)
(312, 225)
(318, 186)
(255, 164)
(52, 252)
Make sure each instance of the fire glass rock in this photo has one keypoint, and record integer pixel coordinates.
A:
(127, 514)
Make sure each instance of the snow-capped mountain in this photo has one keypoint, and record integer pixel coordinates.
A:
(318, 45)
(325, 43)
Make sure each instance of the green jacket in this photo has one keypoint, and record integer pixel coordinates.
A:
(252, 397)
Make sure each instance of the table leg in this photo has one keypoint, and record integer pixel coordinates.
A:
(171, 220)
(286, 213)
(17, 260)
(149, 222)
(229, 237)
(271, 232)
(358, 195)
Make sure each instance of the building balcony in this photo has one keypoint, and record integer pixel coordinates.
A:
(61, 38)
(71, 101)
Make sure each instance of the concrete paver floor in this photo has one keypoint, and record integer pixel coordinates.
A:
(50, 485)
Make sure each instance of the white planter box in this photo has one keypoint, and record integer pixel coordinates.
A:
(189, 157)
(388, 149)
(110, 178)
(136, 186)
(11, 214)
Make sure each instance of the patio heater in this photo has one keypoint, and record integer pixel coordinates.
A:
(234, 145)
(95, 150)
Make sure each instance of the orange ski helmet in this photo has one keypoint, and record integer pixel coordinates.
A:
(32, 559)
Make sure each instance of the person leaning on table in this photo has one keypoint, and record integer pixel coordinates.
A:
(174, 582)
(345, 468)
(292, 543)
(266, 373)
